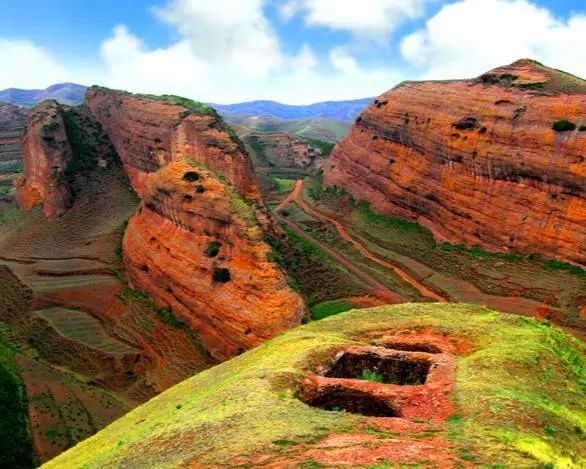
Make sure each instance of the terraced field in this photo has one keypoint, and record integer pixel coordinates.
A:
(82, 327)
(86, 352)
(12, 120)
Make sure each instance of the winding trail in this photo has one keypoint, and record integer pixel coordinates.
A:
(294, 196)
(379, 290)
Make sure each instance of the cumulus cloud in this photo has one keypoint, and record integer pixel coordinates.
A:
(374, 19)
(469, 37)
(225, 31)
(27, 65)
(228, 54)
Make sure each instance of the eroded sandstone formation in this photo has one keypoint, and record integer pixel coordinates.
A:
(46, 152)
(150, 132)
(495, 162)
(196, 248)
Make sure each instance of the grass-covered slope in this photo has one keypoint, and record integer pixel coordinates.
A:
(517, 401)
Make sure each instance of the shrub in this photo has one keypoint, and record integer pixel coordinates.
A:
(372, 376)
(221, 275)
(563, 126)
(200, 189)
(213, 249)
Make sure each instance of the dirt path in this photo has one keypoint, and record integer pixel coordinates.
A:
(294, 196)
(379, 290)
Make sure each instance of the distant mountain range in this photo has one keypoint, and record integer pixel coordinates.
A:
(71, 93)
(66, 93)
(340, 110)
(319, 128)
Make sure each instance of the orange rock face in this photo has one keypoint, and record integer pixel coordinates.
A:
(149, 133)
(46, 152)
(195, 248)
(477, 161)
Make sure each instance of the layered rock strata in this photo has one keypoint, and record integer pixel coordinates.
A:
(495, 162)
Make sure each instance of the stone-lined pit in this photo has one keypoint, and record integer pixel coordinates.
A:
(351, 400)
(401, 369)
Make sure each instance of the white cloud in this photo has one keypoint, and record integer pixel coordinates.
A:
(27, 65)
(221, 31)
(343, 61)
(469, 37)
(229, 55)
(374, 19)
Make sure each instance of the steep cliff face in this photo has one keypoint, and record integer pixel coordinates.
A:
(495, 162)
(150, 132)
(196, 248)
(47, 152)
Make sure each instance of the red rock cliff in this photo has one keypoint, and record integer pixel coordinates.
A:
(46, 152)
(195, 246)
(477, 161)
(196, 249)
(150, 132)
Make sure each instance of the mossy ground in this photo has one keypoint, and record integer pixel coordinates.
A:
(518, 397)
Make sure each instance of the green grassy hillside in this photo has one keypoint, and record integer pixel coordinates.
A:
(516, 401)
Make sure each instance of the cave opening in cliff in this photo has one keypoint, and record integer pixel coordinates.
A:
(401, 369)
(339, 398)
(191, 176)
(411, 347)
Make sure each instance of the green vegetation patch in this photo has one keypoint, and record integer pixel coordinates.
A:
(16, 448)
(284, 185)
(258, 147)
(563, 126)
(325, 147)
(518, 400)
(213, 249)
(330, 308)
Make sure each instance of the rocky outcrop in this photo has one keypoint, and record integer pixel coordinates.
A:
(495, 162)
(195, 247)
(47, 152)
(150, 132)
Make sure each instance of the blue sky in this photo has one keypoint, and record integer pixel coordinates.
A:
(295, 51)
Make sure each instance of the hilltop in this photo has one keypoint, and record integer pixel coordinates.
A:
(433, 385)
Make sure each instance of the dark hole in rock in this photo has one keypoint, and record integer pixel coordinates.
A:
(399, 369)
(191, 176)
(187, 198)
(144, 268)
(351, 400)
(467, 123)
(412, 347)
(482, 130)
(221, 275)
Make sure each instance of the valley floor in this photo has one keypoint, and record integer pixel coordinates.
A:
(398, 262)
